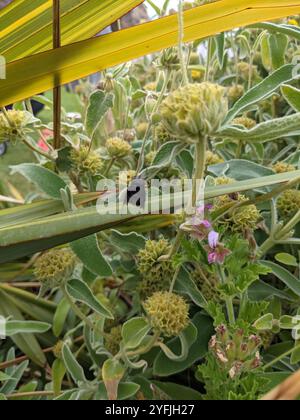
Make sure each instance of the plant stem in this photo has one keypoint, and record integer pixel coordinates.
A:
(181, 43)
(174, 279)
(207, 69)
(228, 300)
(155, 109)
(30, 395)
(282, 356)
(200, 161)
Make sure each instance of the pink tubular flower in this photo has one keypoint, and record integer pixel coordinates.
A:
(218, 254)
(196, 227)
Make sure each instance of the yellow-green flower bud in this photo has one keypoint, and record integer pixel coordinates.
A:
(245, 122)
(141, 130)
(112, 340)
(244, 70)
(161, 134)
(194, 111)
(282, 167)
(213, 158)
(239, 219)
(86, 161)
(13, 124)
(168, 313)
(169, 58)
(148, 261)
(288, 204)
(149, 158)
(55, 267)
(235, 92)
(118, 148)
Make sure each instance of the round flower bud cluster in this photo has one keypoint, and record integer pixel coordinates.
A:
(245, 122)
(118, 148)
(235, 92)
(235, 352)
(12, 126)
(161, 134)
(168, 313)
(141, 130)
(154, 271)
(208, 287)
(288, 204)
(55, 267)
(112, 340)
(149, 158)
(244, 70)
(194, 111)
(169, 58)
(213, 159)
(283, 167)
(86, 161)
(240, 219)
(198, 74)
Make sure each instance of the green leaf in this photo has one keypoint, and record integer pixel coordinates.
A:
(88, 251)
(164, 157)
(112, 374)
(26, 327)
(79, 291)
(165, 367)
(292, 95)
(9, 386)
(126, 390)
(287, 322)
(134, 331)
(265, 322)
(27, 343)
(187, 338)
(220, 44)
(266, 131)
(47, 181)
(60, 317)
(261, 91)
(130, 243)
(278, 44)
(295, 356)
(4, 377)
(185, 284)
(261, 291)
(73, 367)
(287, 259)
(100, 102)
(285, 276)
(58, 373)
(178, 392)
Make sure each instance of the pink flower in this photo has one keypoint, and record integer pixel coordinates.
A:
(46, 134)
(213, 239)
(217, 254)
(197, 228)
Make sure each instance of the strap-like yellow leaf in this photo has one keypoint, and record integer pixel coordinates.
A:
(43, 71)
(80, 19)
